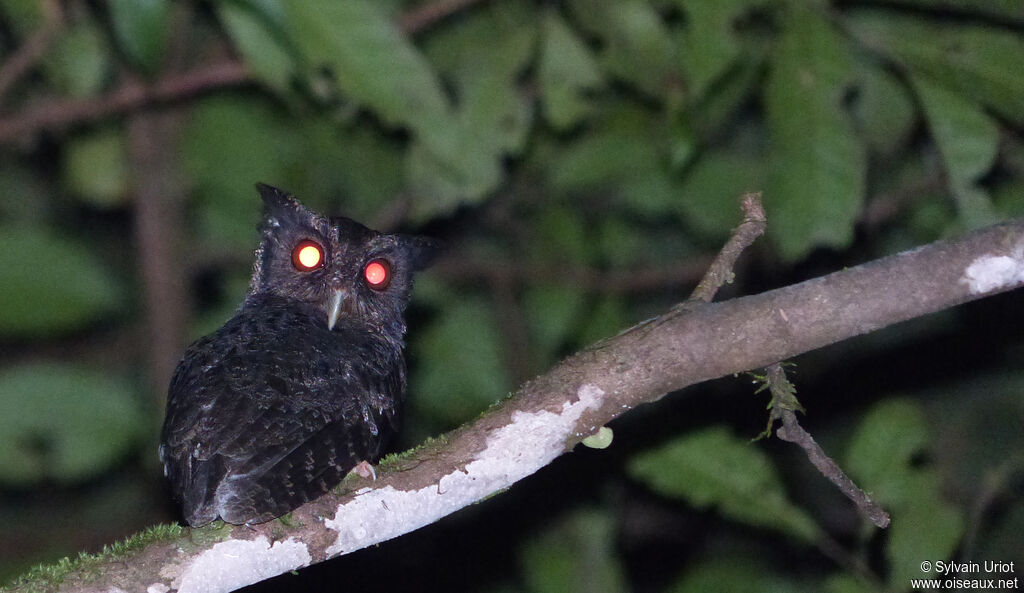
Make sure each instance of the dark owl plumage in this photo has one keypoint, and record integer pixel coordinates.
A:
(305, 381)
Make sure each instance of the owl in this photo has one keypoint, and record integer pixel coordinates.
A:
(305, 381)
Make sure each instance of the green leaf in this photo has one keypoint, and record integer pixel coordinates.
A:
(718, 107)
(710, 194)
(816, 182)
(52, 285)
(884, 110)
(96, 167)
(576, 555)
(636, 45)
(371, 60)
(78, 62)
(1010, 9)
(567, 74)
(484, 58)
(888, 438)
(465, 371)
(621, 242)
(460, 161)
(17, 178)
(261, 41)
(977, 61)
(968, 141)
(24, 15)
(713, 468)
(625, 153)
(63, 423)
(926, 527)
(846, 583)
(552, 312)
(619, 147)
(735, 575)
(230, 144)
(447, 169)
(606, 318)
(141, 29)
(1008, 198)
(881, 458)
(562, 230)
(365, 166)
(491, 106)
(708, 45)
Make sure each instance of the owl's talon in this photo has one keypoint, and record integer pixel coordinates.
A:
(365, 470)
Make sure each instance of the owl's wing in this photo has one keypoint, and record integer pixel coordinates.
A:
(250, 434)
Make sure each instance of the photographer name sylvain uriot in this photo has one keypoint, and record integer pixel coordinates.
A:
(987, 566)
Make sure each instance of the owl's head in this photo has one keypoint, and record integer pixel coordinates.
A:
(347, 271)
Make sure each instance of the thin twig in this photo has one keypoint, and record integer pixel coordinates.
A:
(784, 407)
(720, 271)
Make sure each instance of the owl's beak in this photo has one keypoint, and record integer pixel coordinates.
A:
(334, 306)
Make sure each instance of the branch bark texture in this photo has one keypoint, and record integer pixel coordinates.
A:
(551, 414)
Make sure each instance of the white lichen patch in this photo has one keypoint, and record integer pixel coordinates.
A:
(514, 451)
(236, 563)
(157, 588)
(994, 272)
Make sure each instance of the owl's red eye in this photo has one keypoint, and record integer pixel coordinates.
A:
(377, 274)
(307, 255)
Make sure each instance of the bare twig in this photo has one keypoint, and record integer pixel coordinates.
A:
(785, 406)
(551, 414)
(720, 272)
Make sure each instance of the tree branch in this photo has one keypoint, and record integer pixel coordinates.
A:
(551, 414)
(720, 272)
(133, 94)
(785, 407)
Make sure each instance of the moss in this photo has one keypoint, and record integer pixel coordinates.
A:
(397, 462)
(203, 537)
(141, 540)
(47, 577)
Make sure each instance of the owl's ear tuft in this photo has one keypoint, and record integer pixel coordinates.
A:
(282, 207)
(421, 251)
(277, 201)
